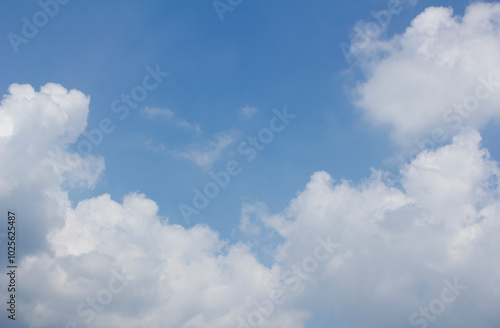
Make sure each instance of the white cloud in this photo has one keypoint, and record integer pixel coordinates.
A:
(248, 111)
(177, 277)
(417, 81)
(206, 153)
(398, 245)
(35, 161)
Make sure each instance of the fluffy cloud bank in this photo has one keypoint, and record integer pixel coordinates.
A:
(398, 245)
(388, 251)
(441, 73)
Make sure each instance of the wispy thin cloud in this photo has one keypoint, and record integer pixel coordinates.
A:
(160, 148)
(154, 112)
(188, 125)
(206, 153)
(248, 111)
(170, 116)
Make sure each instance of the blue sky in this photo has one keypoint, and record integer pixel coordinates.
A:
(225, 77)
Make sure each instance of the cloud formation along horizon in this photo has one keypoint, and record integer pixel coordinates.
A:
(396, 245)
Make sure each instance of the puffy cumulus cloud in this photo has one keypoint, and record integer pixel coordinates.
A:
(441, 74)
(398, 245)
(176, 277)
(36, 131)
